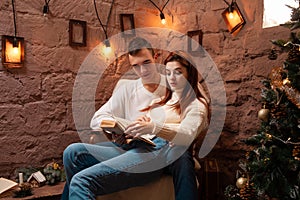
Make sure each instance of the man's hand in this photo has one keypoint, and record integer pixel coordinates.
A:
(138, 128)
(116, 138)
(119, 138)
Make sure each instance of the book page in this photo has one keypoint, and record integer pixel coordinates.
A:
(120, 126)
(122, 123)
(107, 123)
(6, 184)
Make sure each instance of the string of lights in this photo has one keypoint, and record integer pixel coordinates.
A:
(288, 141)
(162, 16)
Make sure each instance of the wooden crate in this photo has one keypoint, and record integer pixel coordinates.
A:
(210, 180)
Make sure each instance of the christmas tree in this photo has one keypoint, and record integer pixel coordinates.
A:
(271, 170)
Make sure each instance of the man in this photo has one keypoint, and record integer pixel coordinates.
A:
(101, 169)
(137, 94)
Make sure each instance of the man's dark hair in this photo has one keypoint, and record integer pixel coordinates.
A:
(137, 44)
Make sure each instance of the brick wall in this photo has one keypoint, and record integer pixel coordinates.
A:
(36, 119)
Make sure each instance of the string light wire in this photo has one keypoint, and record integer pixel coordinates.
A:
(226, 2)
(15, 42)
(162, 16)
(102, 25)
(288, 141)
(230, 5)
(160, 10)
(14, 14)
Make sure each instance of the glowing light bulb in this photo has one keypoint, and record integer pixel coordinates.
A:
(15, 50)
(162, 17)
(107, 48)
(231, 15)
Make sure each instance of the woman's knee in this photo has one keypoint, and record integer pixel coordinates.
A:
(186, 159)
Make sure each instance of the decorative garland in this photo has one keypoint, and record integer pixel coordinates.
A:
(277, 82)
(276, 78)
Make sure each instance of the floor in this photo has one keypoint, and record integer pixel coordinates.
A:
(46, 192)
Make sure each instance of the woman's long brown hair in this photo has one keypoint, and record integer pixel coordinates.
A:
(190, 92)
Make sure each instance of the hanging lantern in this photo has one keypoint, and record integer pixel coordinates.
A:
(233, 18)
(13, 47)
(12, 51)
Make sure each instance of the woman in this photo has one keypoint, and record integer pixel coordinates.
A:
(179, 118)
(112, 168)
(184, 107)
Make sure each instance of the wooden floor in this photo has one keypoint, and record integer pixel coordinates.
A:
(46, 192)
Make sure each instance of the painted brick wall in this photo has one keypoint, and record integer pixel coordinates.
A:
(36, 119)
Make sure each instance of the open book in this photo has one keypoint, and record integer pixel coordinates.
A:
(119, 125)
(6, 187)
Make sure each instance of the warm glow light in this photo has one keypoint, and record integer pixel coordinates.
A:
(162, 17)
(107, 51)
(16, 51)
(12, 47)
(12, 55)
(231, 15)
(233, 18)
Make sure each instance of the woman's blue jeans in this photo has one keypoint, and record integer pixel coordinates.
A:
(104, 168)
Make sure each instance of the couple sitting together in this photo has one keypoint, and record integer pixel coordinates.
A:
(170, 108)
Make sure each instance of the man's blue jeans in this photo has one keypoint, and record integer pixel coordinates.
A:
(104, 168)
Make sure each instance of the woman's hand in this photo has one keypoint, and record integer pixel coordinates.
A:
(138, 128)
(143, 118)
